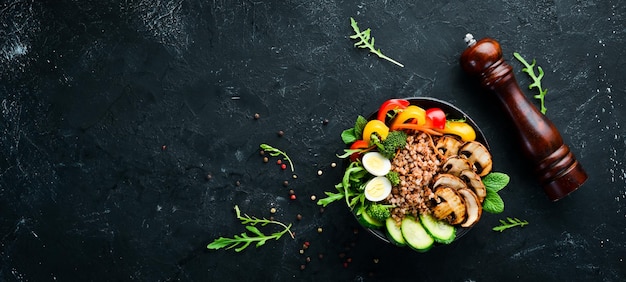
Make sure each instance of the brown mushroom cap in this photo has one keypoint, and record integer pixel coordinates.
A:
(455, 164)
(448, 145)
(450, 207)
(449, 180)
(472, 206)
(475, 183)
(478, 156)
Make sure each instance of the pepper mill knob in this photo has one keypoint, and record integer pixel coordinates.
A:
(556, 168)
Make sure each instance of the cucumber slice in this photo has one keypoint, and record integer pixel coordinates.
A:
(415, 235)
(369, 222)
(394, 233)
(440, 230)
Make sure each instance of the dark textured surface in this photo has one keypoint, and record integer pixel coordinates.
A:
(114, 114)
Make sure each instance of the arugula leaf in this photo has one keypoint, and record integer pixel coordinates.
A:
(243, 240)
(495, 181)
(331, 198)
(493, 203)
(275, 152)
(529, 69)
(510, 223)
(364, 41)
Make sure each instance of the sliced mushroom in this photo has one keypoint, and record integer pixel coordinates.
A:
(455, 164)
(448, 145)
(449, 180)
(473, 207)
(475, 183)
(450, 207)
(478, 156)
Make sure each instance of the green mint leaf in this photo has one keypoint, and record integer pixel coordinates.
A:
(348, 136)
(359, 125)
(493, 203)
(495, 181)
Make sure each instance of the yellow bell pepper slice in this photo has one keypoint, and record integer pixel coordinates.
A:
(375, 126)
(461, 129)
(411, 112)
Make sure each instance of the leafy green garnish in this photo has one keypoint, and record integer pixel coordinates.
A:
(493, 203)
(353, 134)
(365, 42)
(350, 188)
(494, 182)
(510, 223)
(243, 240)
(276, 152)
(529, 69)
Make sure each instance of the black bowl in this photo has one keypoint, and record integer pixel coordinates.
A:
(452, 113)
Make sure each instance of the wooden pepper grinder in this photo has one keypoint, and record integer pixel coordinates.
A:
(556, 168)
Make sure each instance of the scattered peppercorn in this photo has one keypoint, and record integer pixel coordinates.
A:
(301, 251)
(294, 176)
(291, 192)
(209, 176)
(281, 133)
(285, 183)
(299, 217)
(321, 210)
(273, 210)
(308, 259)
(257, 116)
(302, 267)
(313, 197)
(283, 166)
(320, 172)
(262, 152)
(237, 183)
(279, 161)
(293, 197)
(325, 121)
(320, 256)
(333, 164)
(319, 230)
(163, 147)
(266, 159)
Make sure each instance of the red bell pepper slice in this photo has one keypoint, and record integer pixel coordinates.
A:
(359, 144)
(436, 117)
(389, 105)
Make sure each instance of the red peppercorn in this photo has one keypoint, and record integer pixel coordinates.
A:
(279, 162)
(283, 166)
(293, 196)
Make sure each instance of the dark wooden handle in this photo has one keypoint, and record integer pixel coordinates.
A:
(556, 168)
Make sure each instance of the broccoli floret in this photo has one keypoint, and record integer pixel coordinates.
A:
(379, 212)
(393, 177)
(394, 141)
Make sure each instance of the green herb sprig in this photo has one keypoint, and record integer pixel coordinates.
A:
(510, 223)
(529, 69)
(276, 152)
(243, 240)
(367, 41)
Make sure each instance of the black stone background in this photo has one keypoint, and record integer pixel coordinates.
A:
(113, 114)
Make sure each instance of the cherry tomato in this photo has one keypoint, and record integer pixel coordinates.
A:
(436, 117)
